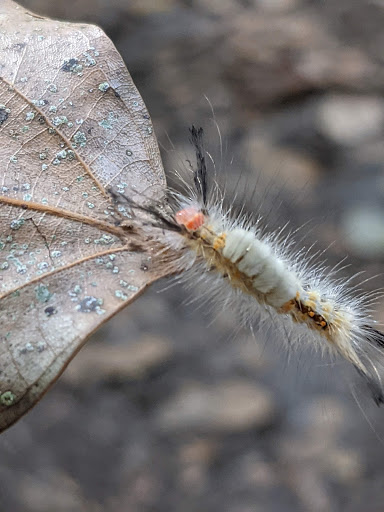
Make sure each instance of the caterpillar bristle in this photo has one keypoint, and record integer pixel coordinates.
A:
(374, 387)
(376, 337)
(200, 174)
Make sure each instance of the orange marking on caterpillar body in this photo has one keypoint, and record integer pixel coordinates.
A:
(191, 218)
(288, 306)
(219, 242)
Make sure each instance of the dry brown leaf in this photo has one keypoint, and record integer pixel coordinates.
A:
(72, 124)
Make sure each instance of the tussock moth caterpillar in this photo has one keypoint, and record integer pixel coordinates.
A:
(264, 276)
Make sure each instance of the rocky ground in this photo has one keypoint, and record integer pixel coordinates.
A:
(168, 408)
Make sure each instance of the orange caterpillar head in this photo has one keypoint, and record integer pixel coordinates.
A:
(191, 218)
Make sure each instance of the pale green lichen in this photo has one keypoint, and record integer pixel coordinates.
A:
(60, 120)
(72, 65)
(61, 154)
(20, 268)
(89, 60)
(104, 86)
(42, 293)
(121, 295)
(104, 240)
(107, 124)
(16, 224)
(7, 398)
(71, 155)
(90, 304)
(79, 139)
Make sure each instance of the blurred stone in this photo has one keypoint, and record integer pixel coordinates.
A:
(344, 465)
(59, 407)
(102, 8)
(52, 491)
(118, 362)
(313, 456)
(259, 65)
(330, 64)
(256, 471)
(276, 5)
(273, 58)
(107, 13)
(232, 406)
(195, 458)
(362, 230)
(350, 120)
(260, 473)
(322, 418)
(311, 489)
(141, 492)
(326, 417)
(291, 168)
(146, 7)
(198, 451)
(252, 354)
(313, 432)
(219, 7)
(193, 479)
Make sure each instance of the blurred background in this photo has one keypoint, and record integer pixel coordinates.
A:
(169, 408)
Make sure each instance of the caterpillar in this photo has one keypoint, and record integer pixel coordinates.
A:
(264, 276)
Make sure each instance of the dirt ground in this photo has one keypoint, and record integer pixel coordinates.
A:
(170, 407)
